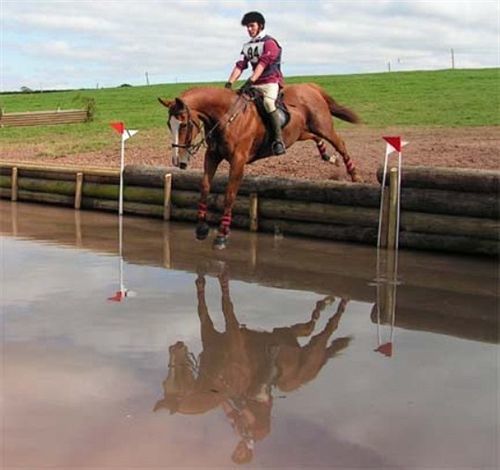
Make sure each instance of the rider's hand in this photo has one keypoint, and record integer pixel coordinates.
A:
(228, 85)
(247, 85)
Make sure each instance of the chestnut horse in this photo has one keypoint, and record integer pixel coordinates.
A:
(234, 131)
(238, 369)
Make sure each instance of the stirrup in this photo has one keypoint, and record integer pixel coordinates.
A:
(278, 147)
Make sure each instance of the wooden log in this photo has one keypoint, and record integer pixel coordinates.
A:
(48, 198)
(438, 201)
(48, 186)
(6, 181)
(283, 188)
(318, 212)
(52, 171)
(254, 212)
(449, 243)
(451, 179)
(69, 116)
(14, 184)
(452, 225)
(130, 193)
(78, 190)
(136, 208)
(167, 197)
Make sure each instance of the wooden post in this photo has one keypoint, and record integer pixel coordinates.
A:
(78, 190)
(167, 196)
(14, 184)
(254, 212)
(393, 209)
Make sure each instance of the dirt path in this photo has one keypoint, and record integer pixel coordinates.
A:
(456, 147)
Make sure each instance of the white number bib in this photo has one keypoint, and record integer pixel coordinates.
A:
(253, 51)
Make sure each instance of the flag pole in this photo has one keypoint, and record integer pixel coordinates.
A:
(122, 167)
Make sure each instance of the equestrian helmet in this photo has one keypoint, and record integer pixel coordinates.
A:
(253, 17)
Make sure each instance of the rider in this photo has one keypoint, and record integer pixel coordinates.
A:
(264, 54)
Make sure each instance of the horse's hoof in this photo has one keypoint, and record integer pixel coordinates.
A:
(202, 231)
(220, 242)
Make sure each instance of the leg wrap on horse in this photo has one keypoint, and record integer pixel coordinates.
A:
(202, 211)
(225, 224)
(322, 150)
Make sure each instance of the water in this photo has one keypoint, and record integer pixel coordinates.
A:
(414, 385)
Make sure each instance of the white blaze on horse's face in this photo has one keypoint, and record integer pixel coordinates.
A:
(175, 125)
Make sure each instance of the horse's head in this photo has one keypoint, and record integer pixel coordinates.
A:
(185, 127)
(180, 391)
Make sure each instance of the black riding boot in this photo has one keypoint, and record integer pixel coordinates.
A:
(278, 146)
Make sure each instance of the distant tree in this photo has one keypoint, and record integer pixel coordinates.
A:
(26, 89)
(123, 85)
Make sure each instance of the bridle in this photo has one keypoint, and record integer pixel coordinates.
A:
(192, 148)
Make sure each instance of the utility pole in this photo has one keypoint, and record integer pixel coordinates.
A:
(147, 78)
(452, 58)
(389, 66)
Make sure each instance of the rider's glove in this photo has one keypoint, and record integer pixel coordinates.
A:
(228, 85)
(247, 85)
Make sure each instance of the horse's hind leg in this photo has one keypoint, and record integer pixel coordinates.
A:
(320, 145)
(324, 128)
(339, 145)
(306, 329)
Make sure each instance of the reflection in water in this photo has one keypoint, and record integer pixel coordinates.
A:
(238, 369)
(123, 292)
(384, 309)
(105, 360)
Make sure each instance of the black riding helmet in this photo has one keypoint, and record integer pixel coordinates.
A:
(253, 17)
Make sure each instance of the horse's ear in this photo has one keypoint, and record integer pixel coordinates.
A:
(166, 103)
(179, 104)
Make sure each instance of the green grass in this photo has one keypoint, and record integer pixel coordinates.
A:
(446, 98)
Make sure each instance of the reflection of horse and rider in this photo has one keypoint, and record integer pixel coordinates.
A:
(238, 368)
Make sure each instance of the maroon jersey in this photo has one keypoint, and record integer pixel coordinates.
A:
(266, 51)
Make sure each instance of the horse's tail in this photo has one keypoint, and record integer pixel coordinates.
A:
(337, 109)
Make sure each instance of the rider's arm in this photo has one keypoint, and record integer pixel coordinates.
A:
(257, 72)
(235, 74)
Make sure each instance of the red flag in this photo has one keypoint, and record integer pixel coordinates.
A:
(385, 349)
(118, 126)
(118, 297)
(394, 142)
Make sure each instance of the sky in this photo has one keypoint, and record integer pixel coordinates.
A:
(60, 44)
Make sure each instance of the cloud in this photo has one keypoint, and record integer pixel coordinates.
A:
(118, 41)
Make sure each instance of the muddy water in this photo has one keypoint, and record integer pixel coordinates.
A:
(281, 351)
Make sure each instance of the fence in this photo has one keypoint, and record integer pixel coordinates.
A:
(39, 118)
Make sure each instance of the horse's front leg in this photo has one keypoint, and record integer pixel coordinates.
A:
(235, 176)
(210, 166)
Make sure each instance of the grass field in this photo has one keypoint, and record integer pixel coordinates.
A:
(447, 98)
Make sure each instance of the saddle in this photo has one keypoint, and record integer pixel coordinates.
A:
(257, 97)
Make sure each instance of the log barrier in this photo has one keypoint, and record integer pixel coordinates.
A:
(40, 118)
(450, 210)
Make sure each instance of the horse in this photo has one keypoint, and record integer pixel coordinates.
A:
(238, 368)
(234, 131)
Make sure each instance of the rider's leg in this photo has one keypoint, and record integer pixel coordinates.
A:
(270, 91)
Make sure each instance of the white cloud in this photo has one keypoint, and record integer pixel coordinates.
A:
(200, 40)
